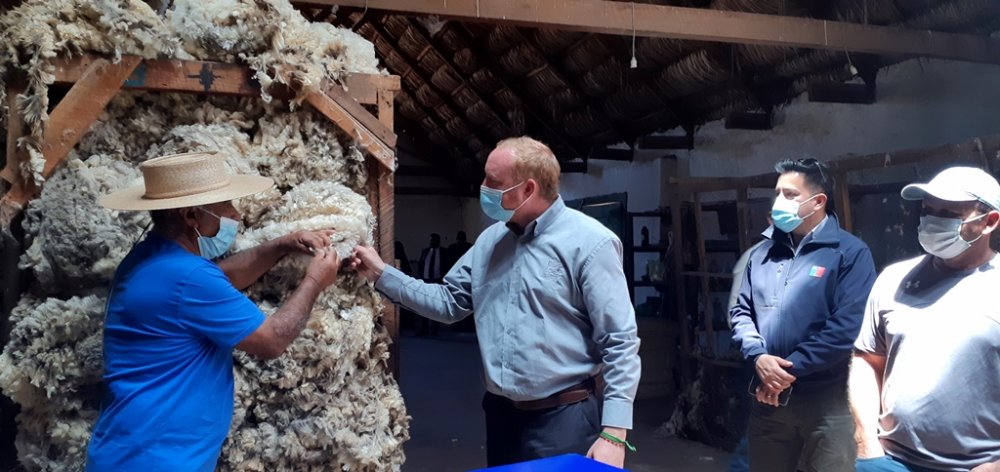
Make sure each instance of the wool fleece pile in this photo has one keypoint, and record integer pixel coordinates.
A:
(329, 403)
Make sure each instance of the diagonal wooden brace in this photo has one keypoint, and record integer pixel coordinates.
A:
(67, 123)
(358, 125)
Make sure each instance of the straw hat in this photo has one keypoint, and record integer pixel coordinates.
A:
(184, 180)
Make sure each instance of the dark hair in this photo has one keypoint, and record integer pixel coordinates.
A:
(161, 218)
(816, 174)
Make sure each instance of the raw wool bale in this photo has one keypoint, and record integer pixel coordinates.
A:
(39, 30)
(52, 368)
(274, 39)
(292, 148)
(334, 370)
(74, 244)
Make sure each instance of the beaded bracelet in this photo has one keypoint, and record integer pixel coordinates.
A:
(618, 441)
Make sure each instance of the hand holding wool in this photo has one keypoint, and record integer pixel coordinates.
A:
(367, 262)
(323, 268)
(307, 242)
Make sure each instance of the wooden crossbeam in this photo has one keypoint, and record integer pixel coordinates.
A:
(67, 123)
(650, 20)
(336, 109)
(216, 78)
(611, 154)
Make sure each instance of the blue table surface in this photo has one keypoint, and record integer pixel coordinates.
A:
(564, 463)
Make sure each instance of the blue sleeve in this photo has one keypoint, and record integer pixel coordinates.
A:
(743, 321)
(834, 342)
(212, 307)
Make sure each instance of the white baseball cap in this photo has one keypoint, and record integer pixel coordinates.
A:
(958, 184)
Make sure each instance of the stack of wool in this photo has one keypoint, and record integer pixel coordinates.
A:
(329, 402)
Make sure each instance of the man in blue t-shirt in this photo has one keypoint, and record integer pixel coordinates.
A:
(174, 316)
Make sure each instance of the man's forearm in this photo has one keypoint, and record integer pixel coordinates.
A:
(245, 267)
(866, 405)
(292, 316)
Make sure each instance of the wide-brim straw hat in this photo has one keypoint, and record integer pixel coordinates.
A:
(184, 180)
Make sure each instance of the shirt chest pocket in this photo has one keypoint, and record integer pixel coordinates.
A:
(548, 285)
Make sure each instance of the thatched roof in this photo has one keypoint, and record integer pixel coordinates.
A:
(467, 85)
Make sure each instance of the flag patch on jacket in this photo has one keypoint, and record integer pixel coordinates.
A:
(817, 271)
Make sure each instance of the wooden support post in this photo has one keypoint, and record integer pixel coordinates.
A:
(843, 201)
(10, 240)
(742, 218)
(68, 122)
(676, 207)
(703, 277)
(381, 182)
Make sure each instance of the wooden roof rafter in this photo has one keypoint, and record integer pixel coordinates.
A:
(559, 136)
(414, 71)
(447, 95)
(558, 71)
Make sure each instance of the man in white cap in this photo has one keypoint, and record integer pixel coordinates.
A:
(925, 381)
(174, 316)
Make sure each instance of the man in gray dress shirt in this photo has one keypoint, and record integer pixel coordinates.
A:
(556, 327)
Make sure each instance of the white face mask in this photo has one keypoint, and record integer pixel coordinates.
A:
(941, 237)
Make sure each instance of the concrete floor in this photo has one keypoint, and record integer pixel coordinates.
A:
(441, 380)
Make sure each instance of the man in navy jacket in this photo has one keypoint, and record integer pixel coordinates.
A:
(799, 311)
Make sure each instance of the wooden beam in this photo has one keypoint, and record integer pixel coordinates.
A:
(68, 122)
(650, 20)
(382, 200)
(709, 312)
(360, 114)
(216, 78)
(335, 111)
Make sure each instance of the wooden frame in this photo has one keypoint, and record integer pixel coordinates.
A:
(96, 80)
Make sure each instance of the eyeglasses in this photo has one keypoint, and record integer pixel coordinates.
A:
(814, 163)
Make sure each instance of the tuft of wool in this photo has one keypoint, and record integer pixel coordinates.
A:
(274, 39)
(39, 30)
(72, 243)
(52, 368)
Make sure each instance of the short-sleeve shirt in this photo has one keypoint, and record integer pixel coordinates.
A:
(172, 321)
(940, 335)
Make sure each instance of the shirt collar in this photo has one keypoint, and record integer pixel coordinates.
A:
(543, 221)
(826, 232)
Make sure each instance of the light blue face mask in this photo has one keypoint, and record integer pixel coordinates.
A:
(217, 245)
(785, 213)
(491, 200)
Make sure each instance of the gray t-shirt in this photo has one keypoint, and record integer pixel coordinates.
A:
(940, 334)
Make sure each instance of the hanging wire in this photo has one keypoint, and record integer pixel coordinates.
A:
(634, 62)
(363, 13)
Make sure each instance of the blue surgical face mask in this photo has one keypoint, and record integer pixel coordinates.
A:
(785, 213)
(217, 245)
(491, 200)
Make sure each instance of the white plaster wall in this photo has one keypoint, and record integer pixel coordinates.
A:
(921, 103)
